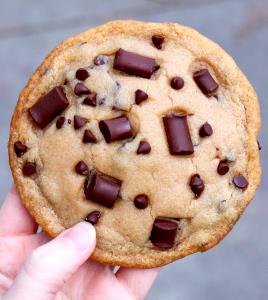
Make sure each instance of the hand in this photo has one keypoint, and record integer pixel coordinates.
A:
(33, 267)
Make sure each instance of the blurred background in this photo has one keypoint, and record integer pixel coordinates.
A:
(29, 29)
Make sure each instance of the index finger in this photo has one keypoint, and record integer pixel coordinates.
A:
(14, 218)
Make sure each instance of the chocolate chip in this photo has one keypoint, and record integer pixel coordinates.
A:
(69, 121)
(99, 60)
(177, 83)
(197, 185)
(81, 74)
(134, 64)
(178, 135)
(81, 89)
(205, 82)
(60, 122)
(89, 137)
(240, 182)
(223, 168)
(116, 129)
(259, 145)
(102, 190)
(158, 40)
(141, 201)
(140, 96)
(79, 122)
(48, 107)
(20, 148)
(29, 168)
(144, 148)
(82, 168)
(163, 233)
(205, 130)
(90, 99)
(93, 217)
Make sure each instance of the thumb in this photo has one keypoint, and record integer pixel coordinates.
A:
(51, 265)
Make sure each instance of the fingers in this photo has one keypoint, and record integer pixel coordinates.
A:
(14, 218)
(52, 264)
(137, 281)
(15, 251)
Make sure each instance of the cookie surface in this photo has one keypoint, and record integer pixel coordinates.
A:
(148, 131)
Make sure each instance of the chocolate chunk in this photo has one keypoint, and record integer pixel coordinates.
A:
(163, 233)
(81, 89)
(178, 135)
(140, 96)
(197, 185)
(116, 129)
(60, 122)
(205, 130)
(205, 82)
(144, 148)
(223, 167)
(99, 60)
(81, 74)
(141, 201)
(89, 137)
(48, 107)
(102, 190)
(134, 64)
(93, 217)
(20, 148)
(177, 83)
(158, 40)
(29, 168)
(79, 122)
(240, 182)
(82, 168)
(90, 99)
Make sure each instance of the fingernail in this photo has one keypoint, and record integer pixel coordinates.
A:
(82, 235)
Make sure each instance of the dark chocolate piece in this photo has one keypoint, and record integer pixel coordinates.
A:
(140, 96)
(102, 190)
(223, 168)
(205, 130)
(90, 99)
(158, 40)
(89, 137)
(79, 122)
(60, 122)
(20, 148)
(81, 74)
(178, 135)
(177, 83)
(134, 64)
(29, 168)
(144, 148)
(81, 89)
(116, 129)
(206, 82)
(93, 217)
(48, 107)
(240, 182)
(163, 233)
(197, 185)
(99, 60)
(82, 168)
(141, 201)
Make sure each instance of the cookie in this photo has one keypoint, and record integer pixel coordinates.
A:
(148, 131)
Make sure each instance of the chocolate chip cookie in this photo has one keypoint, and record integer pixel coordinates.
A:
(148, 131)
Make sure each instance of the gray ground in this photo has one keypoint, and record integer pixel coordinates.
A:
(238, 267)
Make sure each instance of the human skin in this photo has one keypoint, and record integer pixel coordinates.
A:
(32, 266)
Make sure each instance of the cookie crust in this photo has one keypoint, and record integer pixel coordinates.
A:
(201, 47)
